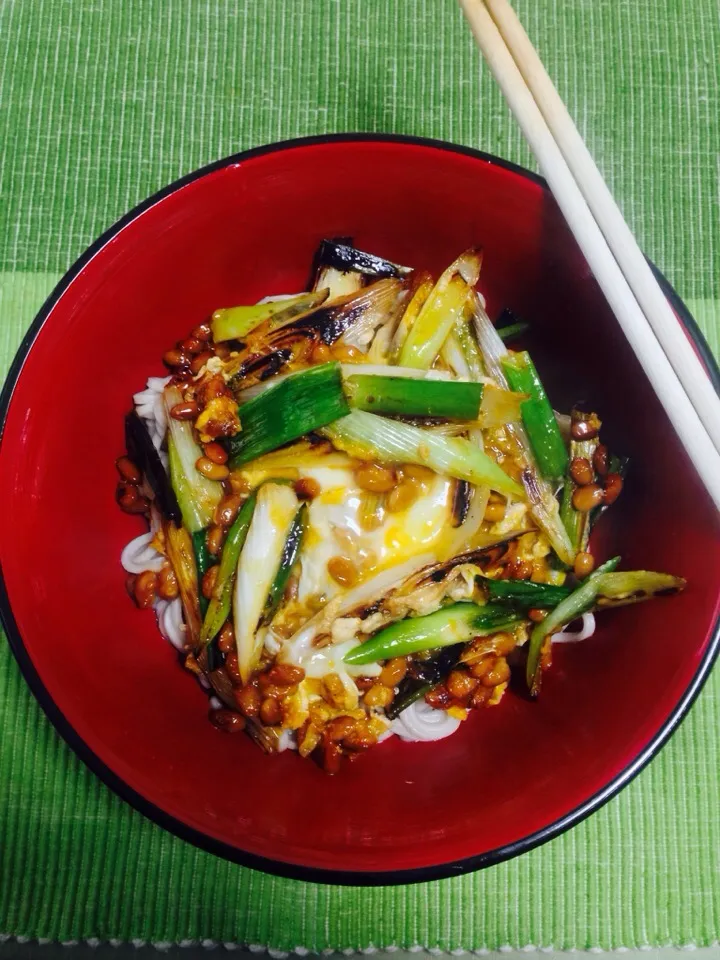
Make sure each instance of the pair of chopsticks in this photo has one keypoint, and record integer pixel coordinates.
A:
(629, 285)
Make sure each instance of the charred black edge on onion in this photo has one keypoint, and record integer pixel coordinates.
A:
(142, 452)
(328, 323)
(339, 253)
(425, 674)
(462, 496)
(433, 573)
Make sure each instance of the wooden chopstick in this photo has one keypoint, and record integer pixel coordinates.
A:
(680, 410)
(623, 244)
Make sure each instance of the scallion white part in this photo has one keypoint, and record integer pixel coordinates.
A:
(259, 561)
(371, 437)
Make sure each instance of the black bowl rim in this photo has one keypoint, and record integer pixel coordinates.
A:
(197, 837)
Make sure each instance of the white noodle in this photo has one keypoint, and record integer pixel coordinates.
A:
(586, 631)
(149, 406)
(280, 296)
(170, 621)
(287, 741)
(139, 555)
(420, 723)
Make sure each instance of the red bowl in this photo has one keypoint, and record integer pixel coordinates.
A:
(235, 231)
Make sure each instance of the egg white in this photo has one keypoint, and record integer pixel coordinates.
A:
(334, 529)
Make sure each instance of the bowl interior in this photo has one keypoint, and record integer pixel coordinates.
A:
(237, 233)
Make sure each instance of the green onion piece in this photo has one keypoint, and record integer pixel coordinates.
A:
(338, 283)
(440, 311)
(468, 344)
(451, 354)
(179, 547)
(633, 586)
(450, 625)
(538, 417)
(430, 672)
(512, 331)
(350, 370)
(203, 561)
(300, 403)
(275, 511)
(575, 522)
(540, 492)
(406, 698)
(420, 294)
(617, 465)
(579, 602)
(234, 323)
(525, 593)
(196, 495)
(219, 607)
(370, 437)
(578, 523)
(401, 396)
(287, 561)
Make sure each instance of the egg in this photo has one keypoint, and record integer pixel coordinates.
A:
(335, 530)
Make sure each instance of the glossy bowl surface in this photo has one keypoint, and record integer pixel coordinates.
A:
(236, 231)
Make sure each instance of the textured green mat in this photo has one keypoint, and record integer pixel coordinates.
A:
(104, 101)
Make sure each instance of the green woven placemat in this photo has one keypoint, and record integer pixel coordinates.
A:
(104, 101)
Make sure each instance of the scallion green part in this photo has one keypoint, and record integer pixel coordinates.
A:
(573, 606)
(299, 404)
(538, 416)
(456, 623)
(402, 396)
(219, 607)
(203, 560)
(512, 331)
(525, 593)
(287, 561)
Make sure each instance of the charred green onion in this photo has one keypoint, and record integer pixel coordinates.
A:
(370, 437)
(537, 414)
(275, 511)
(526, 594)
(287, 561)
(454, 624)
(203, 560)
(196, 495)
(509, 326)
(179, 547)
(540, 492)
(469, 347)
(299, 404)
(402, 396)
(632, 586)
(235, 323)
(219, 607)
(438, 314)
(142, 452)
(512, 331)
(578, 522)
(426, 674)
(574, 605)
(344, 257)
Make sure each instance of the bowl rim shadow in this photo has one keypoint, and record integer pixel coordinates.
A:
(220, 848)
